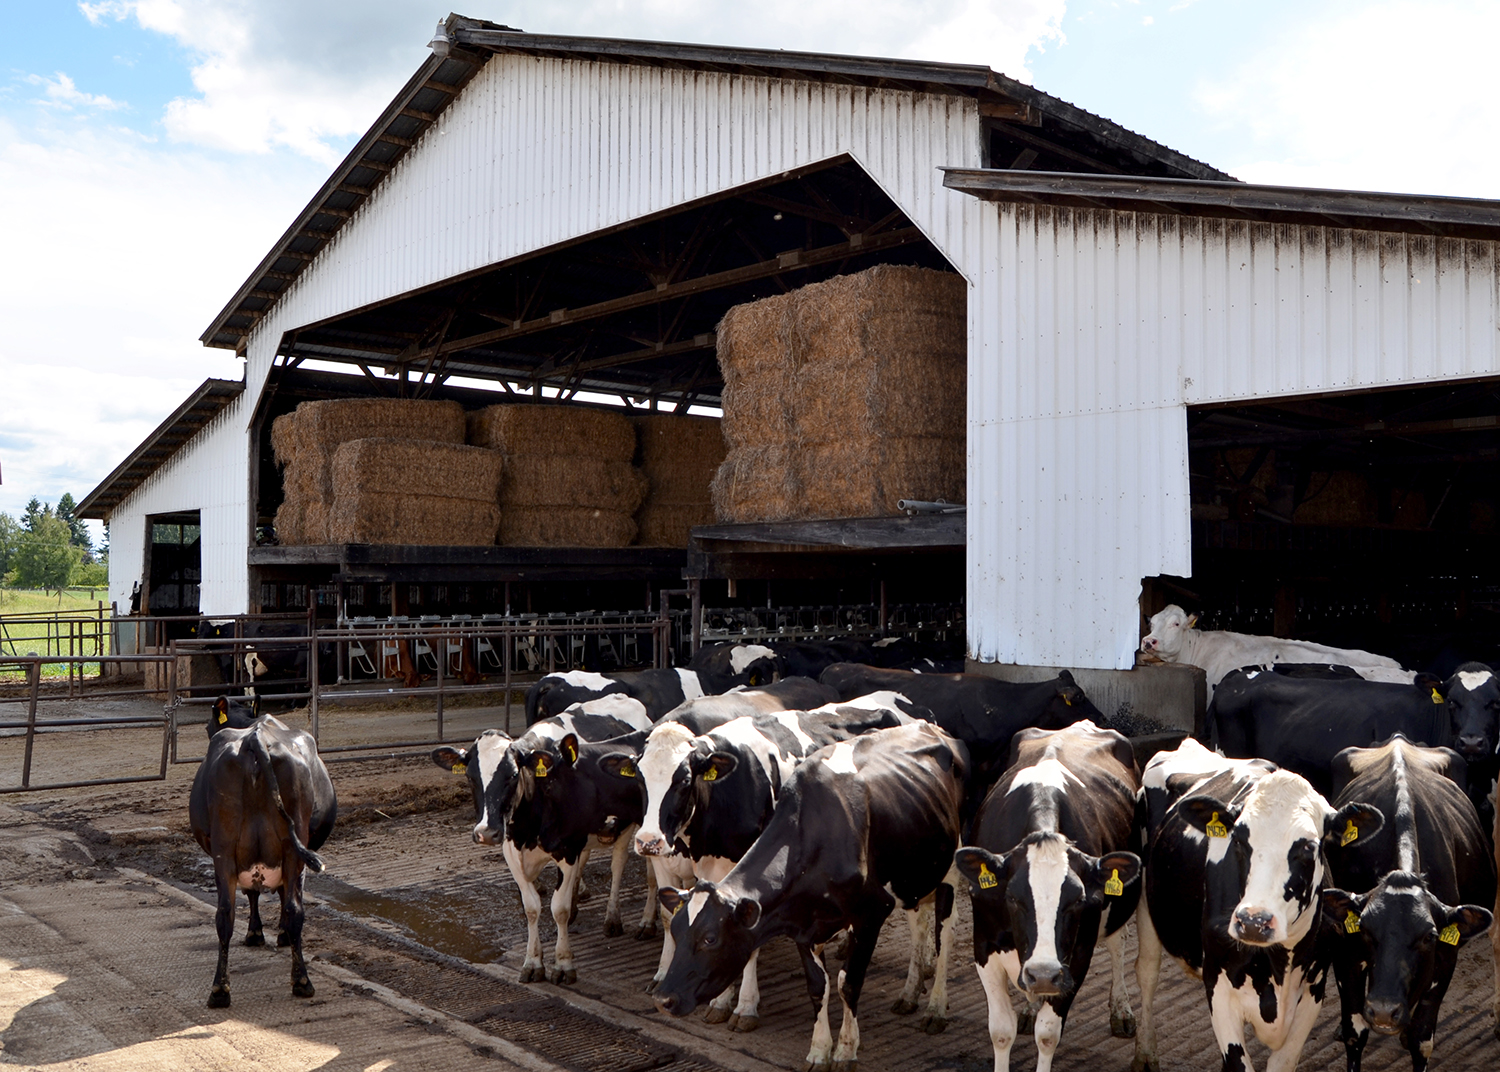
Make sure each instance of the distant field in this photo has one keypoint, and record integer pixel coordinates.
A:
(34, 601)
(18, 637)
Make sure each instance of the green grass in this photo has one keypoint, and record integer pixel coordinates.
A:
(44, 639)
(33, 601)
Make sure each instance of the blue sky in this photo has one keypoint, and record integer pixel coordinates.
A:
(151, 150)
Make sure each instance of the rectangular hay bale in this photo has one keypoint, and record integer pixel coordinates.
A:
(391, 517)
(413, 466)
(554, 526)
(571, 480)
(553, 428)
(660, 525)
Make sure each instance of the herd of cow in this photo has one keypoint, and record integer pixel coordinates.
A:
(773, 803)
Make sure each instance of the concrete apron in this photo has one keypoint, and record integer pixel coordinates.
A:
(1174, 696)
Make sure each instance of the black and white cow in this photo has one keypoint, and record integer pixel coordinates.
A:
(658, 691)
(1233, 883)
(983, 712)
(504, 775)
(1473, 695)
(721, 667)
(261, 805)
(809, 658)
(859, 827)
(1301, 723)
(1429, 876)
(708, 796)
(1051, 876)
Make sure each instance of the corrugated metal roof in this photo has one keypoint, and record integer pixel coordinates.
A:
(1459, 217)
(1016, 108)
(202, 406)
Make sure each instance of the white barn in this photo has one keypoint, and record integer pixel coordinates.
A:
(1115, 288)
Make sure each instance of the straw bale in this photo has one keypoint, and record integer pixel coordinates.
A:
(370, 516)
(404, 465)
(758, 483)
(757, 359)
(660, 525)
(329, 422)
(540, 428)
(284, 437)
(290, 528)
(866, 478)
(571, 480)
(565, 526)
(1338, 498)
(679, 456)
(315, 521)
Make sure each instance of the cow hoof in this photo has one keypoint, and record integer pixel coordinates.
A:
(255, 939)
(218, 999)
(612, 928)
(743, 1024)
(903, 1007)
(645, 931)
(933, 1024)
(533, 973)
(562, 976)
(816, 1066)
(1122, 1026)
(846, 1066)
(283, 939)
(1144, 1064)
(304, 989)
(1025, 1022)
(715, 1015)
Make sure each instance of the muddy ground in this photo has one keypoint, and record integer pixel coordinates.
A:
(415, 937)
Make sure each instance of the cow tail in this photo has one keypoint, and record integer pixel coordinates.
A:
(258, 748)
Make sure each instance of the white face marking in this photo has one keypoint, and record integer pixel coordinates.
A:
(1048, 864)
(1049, 772)
(789, 720)
(665, 751)
(584, 680)
(841, 761)
(1165, 638)
(1281, 810)
(742, 655)
(491, 748)
(254, 665)
(692, 688)
(617, 705)
(1472, 679)
(695, 905)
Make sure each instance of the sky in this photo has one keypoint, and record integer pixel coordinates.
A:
(152, 150)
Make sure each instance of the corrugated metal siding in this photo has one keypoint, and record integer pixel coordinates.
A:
(210, 474)
(1091, 331)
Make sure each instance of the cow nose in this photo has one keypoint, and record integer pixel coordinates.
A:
(1254, 925)
(483, 836)
(1148, 644)
(1471, 746)
(1042, 979)
(669, 1004)
(1383, 1016)
(654, 845)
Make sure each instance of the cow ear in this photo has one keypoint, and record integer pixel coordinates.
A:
(1114, 871)
(540, 763)
(1458, 925)
(620, 764)
(1207, 815)
(451, 759)
(1431, 685)
(747, 912)
(1351, 823)
(670, 898)
(1191, 623)
(1343, 909)
(986, 872)
(1070, 694)
(716, 766)
(568, 749)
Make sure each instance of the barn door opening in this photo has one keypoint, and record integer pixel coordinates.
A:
(173, 563)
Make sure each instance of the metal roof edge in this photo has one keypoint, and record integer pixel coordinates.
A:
(1155, 195)
(226, 390)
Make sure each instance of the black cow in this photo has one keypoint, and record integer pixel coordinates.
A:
(232, 714)
(982, 712)
(1428, 874)
(1301, 723)
(708, 796)
(261, 805)
(1473, 695)
(1233, 883)
(809, 658)
(721, 667)
(1051, 875)
(859, 827)
(505, 776)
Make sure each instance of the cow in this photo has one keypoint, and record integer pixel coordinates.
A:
(859, 827)
(708, 796)
(1234, 876)
(809, 658)
(261, 806)
(983, 712)
(232, 714)
(1421, 875)
(721, 667)
(503, 776)
(1301, 723)
(1051, 874)
(659, 690)
(1173, 639)
(1473, 695)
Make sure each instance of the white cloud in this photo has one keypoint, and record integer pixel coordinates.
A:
(1392, 96)
(61, 91)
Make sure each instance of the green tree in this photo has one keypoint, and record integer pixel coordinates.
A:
(78, 532)
(45, 558)
(35, 511)
(10, 535)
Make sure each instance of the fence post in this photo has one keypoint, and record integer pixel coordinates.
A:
(36, 685)
(312, 677)
(442, 665)
(172, 696)
(507, 649)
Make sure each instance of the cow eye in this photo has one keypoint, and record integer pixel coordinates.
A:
(709, 939)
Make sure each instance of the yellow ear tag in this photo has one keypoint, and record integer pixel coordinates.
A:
(1437, 697)
(987, 879)
(1351, 834)
(1113, 887)
(541, 769)
(677, 909)
(572, 755)
(1351, 923)
(223, 718)
(628, 771)
(1067, 701)
(1449, 934)
(711, 774)
(459, 768)
(1214, 828)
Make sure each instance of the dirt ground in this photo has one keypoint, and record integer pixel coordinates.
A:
(415, 938)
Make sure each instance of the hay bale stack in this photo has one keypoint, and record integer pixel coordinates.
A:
(414, 492)
(843, 397)
(679, 456)
(568, 481)
(305, 440)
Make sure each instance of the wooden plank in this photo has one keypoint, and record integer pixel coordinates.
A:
(872, 533)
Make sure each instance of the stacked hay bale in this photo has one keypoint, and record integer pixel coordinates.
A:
(679, 456)
(843, 397)
(569, 481)
(382, 470)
